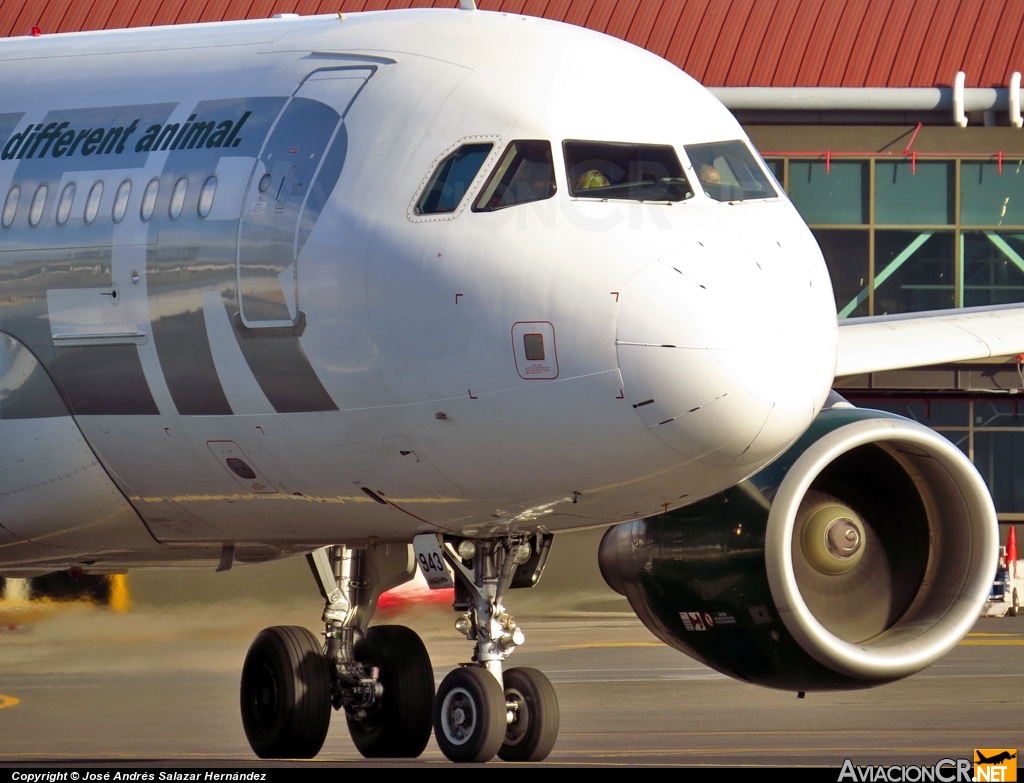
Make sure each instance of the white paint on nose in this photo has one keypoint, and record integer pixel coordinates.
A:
(710, 372)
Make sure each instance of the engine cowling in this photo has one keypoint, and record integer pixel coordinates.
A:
(860, 556)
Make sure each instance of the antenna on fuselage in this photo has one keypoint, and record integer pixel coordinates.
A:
(467, 5)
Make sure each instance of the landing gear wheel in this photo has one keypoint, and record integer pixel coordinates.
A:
(1015, 606)
(285, 694)
(534, 728)
(399, 725)
(469, 715)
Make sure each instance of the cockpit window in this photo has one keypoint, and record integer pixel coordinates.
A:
(452, 179)
(525, 173)
(636, 172)
(728, 172)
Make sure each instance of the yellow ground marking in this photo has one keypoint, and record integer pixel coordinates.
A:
(992, 634)
(8, 701)
(606, 644)
(992, 642)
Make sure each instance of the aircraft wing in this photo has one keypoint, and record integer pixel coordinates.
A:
(893, 342)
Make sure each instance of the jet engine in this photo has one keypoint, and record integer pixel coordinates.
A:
(860, 556)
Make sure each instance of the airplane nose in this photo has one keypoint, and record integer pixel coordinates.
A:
(709, 368)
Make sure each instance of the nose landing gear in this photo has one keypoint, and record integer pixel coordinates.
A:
(469, 715)
(481, 711)
(533, 706)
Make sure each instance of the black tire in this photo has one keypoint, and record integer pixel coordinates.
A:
(469, 715)
(285, 694)
(1015, 606)
(534, 728)
(399, 726)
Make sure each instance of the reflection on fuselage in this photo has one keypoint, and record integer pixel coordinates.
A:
(366, 278)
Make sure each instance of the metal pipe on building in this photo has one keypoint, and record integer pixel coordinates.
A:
(861, 98)
(957, 99)
(1014, 99)
(959, 112)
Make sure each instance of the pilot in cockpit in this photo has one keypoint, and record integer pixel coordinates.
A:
(591, 179)
(709, 175)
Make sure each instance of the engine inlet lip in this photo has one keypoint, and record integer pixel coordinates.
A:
(865, 660)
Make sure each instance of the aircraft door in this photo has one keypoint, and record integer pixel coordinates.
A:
(296, 170)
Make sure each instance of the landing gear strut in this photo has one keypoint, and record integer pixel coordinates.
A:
(381, 677)
(480, 710)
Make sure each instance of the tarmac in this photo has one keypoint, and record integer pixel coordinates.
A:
(157, 685)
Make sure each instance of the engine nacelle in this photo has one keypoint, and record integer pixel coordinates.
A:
(862, 555)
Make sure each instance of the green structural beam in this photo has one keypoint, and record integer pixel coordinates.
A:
(886, 273)
(1007, 251)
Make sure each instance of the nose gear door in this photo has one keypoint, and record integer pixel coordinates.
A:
(296, 170)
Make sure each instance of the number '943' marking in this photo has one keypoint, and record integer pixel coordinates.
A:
(431, 561)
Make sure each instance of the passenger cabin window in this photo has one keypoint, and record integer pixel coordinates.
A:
(525, 173)
(124, 190)
(149, 199)
(206, 195)
(728, 172)
(92, 202)
(10, 206)
(635, 172)
(35, 212)
(452, 179)
(67, 198)
(178, 198)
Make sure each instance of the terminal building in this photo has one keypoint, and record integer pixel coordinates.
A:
(894, 125)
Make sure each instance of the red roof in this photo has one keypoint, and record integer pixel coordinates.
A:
(774, 43)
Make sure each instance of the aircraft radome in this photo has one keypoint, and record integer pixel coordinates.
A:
(432, 286)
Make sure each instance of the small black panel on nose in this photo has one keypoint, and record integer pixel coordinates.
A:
(534, 347)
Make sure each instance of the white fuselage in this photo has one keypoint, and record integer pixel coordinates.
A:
(689, 342)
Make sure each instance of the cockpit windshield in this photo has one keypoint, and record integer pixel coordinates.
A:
(635, 172)
(525, 173)
(452, 179)
(728, 172)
